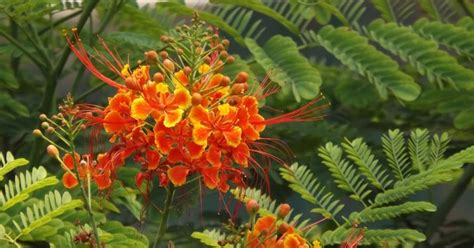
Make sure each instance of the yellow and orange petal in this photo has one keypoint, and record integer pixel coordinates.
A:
(224, 109)
(241, 154)
(69, 180)
(199, 114)
(182, 98)
(203, 68)
(178, 174)
(233, 137)
(162, 142)
(120, 103)
(162, 88)
(294, 240)
(195, 151)
(172, 117)
(316, 244)
(210, 177)
(200, 134)
(126, 70)
(114, 122)
(215, 80)
(140, 109)
(266, 223)
(180, 79)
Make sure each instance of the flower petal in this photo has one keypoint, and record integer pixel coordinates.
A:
(199, 114)
(182, 98)
(213, 156)
(200, 134)
(241, 154)
(175, 156)
(114, 122)
(69, 162)
(103, 180)
(69, 180)
(195, 151)
(140, 109)
(178, 175)
(210, 176)
(162, 142)
(173, 117)
(233, 137)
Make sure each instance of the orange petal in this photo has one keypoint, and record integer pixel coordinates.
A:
(251, 104)
(213, 156)
(241, 154)
(210, 177)
(233, 137)
(256, 121)
(178, 175)
(180, 78)
(173, 117)
(265, 223)
(162, 142)
(195, 151)
(114, 122)
(182, 98)
(140, 109)
(215, 80)
(120, 102)
(67, 159)
(199, 114)
(153, 159)
(200, 134)
(175, 156)
(251, 133)
(103, 180)
(69, 180)
(293, 240)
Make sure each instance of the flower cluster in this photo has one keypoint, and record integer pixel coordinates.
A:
(178, 115)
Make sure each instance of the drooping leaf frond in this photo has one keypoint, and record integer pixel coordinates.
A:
(372, 236)
(354, 51)
(360, 153)
(422, 54)
(345, 175)
(303, 181)
(447, 34)
(438, 146)
(19, 189)
(390, 212)
(467, 23)
(9, 163)
(281, 58)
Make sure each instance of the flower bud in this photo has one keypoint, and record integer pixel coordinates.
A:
(225, 81)
(238, 89)
(225, 42)
(242, 77)
(233, 100)
(198, 50)
(44, 125)
(179, 51)
(164, 38)
(43, 117)
(283, 228)
(50, 130)
(207, 60)
(151, 55)
(283, 210)
(37, 133)
(52, 151)
(219, 65)
(164, 54)
(158, 77)
(252, 206)
(230, 60)
(187, 70)
(196, 99)
(224, 54)
(220, 47)
(168, 64)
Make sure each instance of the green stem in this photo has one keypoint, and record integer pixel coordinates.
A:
(84, 195)
(439, 217)
(164, 216)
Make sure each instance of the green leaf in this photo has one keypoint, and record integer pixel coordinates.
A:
(12, 106)
(210, 18)
(391, 212)
(210, 238)
(422, 54)
(9, 166)
(286, 66)
(385, 9)
(465, 119)
(7, 79)
(354, 51)
(261, 8)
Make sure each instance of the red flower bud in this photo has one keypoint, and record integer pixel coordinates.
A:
(252, 206)
(52, 151)
(283, 210)
(158, 77)
(196, 99)
(168, 64)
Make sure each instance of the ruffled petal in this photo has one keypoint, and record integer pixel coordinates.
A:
(211, 177)
(195, 151)
(114, 122)
(241, 154)
(175, 156)
(233, 137)
(199, 114)
(162, 142)
(140, 109)
(69, 162)
(173, 117)
(103, 180)
(200, 134)
(182, 98)
(213, 156)
(180, 79)
(178, 174)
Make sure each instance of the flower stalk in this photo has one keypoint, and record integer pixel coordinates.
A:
(164, 216)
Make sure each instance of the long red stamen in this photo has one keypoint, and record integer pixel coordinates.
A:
(307, 113)
(83, 56)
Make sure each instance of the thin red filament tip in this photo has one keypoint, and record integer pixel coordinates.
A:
(81, 53)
